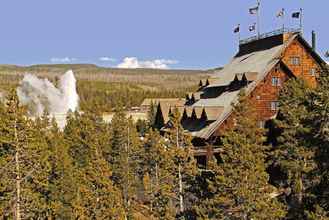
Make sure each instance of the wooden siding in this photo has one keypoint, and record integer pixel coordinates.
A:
(265, 92)
(261, 97)
(307, 62)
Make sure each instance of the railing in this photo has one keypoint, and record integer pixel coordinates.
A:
(270, 34)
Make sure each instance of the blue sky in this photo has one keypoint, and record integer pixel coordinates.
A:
(189, 34)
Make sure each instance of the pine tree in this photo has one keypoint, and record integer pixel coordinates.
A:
(319, 121)
(158, 176)
(124, 156)
(151, 114)
(96, 196)
(61, 180)
(179, 147)
(24, 159)
(238, 187)
(295, 153)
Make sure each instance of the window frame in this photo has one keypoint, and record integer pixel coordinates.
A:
(274, 105)
(276, 81)
(295, 60)
(312, 72)
(261, 124)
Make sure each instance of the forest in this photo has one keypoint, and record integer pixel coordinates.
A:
(104, 88)
(95, 170)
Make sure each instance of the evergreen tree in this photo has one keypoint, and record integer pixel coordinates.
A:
(151, 114)
(24, 157)
(295, 151)
(179, 147)
(319, 120)
(125, 159)
(61, 180)
(158, 176)
(96, 196)
(238, 187)
(124, 156)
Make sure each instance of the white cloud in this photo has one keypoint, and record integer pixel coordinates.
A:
(134, 63)
(107, 59)
(63, 60)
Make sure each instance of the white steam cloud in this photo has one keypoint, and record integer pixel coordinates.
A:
(41, 95)
(134, 63)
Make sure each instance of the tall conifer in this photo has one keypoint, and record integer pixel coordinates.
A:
(96, 196)
(24, 161)
(238, 187)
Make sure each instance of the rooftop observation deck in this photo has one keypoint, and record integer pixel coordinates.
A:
(270, 34)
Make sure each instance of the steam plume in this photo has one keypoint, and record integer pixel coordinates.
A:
(41, 95)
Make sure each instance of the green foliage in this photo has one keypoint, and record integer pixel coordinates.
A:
(24, 156)
(122, 170)
(124, 155)
(158, 176)
(96, 196)
(302, 152)
(238, 187)
(62, 179)
(151, 115)
(295, 153)
(104, 88)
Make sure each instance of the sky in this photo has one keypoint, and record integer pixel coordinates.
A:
(183, 34)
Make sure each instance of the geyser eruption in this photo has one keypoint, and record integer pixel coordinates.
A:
(41, 95)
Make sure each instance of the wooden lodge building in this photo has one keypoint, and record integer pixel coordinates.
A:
(261, 67)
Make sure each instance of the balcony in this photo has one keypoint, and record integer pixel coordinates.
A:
(270, 34)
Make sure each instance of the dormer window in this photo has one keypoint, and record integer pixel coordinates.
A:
(274, 105)
(261, 124)
(295, 61)
(276, 81)
(312, 71)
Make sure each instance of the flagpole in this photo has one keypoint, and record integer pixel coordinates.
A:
(239, 41)
(301, 21)
(258, 19)
(239, 36)
(283, 19)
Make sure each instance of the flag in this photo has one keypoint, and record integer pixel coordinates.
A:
(296, 14)
(253, 10)
(252, 27)
(237, 29)
(280, 14)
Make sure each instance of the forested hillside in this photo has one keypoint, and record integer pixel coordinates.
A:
(103, 88)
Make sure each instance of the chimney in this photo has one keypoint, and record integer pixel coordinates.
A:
(313, 40)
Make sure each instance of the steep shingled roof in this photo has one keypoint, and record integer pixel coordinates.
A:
(257, 63)
(218, 94)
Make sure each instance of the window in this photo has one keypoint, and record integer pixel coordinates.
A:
(274, 105)
(295, 61)
(276, 81)
(312, 72)
(261, 124)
